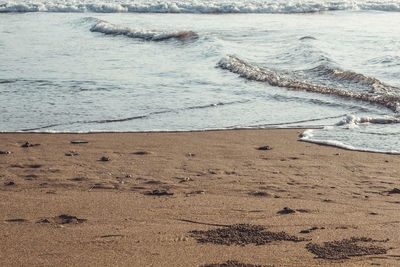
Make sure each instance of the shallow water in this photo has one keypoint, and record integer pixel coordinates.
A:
(87, 71)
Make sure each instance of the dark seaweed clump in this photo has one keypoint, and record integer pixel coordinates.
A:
(346, 248)
(242, 234)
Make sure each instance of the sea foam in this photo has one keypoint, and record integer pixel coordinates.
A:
(148, 35)
(375, 91)
(356, 133)
(199, 6)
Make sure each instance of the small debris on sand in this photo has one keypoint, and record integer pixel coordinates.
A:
(394, 191)
(27, 144)
(264, 148)
(35, 166)
(232, 263)
(241, 235)
(311, 229)
(68, 219)
(259, 194)
(79, 142)
(140, 153)
(16, 220)
(5, 152)
(43, 221)
(345, 248)
(286, 210)
(158, 193)
(9, 183)
(186, 179)
(78, 179)
(71, 154)
(190, 155)
(105, 158)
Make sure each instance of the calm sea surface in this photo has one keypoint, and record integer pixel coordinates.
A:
(83, 66)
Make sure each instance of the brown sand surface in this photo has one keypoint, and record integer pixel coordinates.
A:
(195, 199)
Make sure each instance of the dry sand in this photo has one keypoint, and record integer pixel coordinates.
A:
(195, 199)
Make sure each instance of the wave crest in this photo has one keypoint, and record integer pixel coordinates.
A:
(351, 120)
(201, 6)
(148, 35)
(354, 79)
(383, 94)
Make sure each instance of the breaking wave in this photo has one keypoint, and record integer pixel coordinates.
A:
(334, 82)
(350, 80)
(148, 35)
(200, 6)
(354, 133)
(352, 121)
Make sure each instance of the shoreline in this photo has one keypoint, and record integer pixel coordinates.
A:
(143, 199)
(167, 131)
(320, 143)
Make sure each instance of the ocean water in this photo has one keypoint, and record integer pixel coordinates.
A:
(84, 66)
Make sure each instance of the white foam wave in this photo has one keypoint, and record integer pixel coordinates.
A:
(307, 136)
(149, 35)
(387, 96)
(352, 121)
(199, 6)
(354, 133)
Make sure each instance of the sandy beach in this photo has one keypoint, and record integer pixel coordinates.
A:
(255, 197)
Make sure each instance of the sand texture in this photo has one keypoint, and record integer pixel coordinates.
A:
(214, 198)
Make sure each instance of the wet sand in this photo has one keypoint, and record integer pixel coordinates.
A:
(255, 197)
